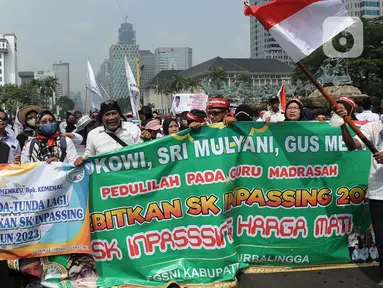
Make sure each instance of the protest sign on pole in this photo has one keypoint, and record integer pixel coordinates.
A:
(187, 102)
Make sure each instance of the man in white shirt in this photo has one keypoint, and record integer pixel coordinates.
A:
(275, 114)
(356, 254)
(112, 135)
(367, 114)
(374, 133)
(352, 241)
(374, 255)
(364, 254)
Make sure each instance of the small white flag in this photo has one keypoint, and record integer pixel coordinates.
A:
(134, 92)
(94, 95)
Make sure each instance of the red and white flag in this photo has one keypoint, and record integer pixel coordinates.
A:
(297, 25)
(282, 97)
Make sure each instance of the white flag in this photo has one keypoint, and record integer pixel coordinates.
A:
(94, 95)
(134, 92)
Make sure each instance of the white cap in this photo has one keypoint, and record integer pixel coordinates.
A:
(82, 123)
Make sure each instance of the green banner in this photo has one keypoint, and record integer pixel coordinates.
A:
(198, 206)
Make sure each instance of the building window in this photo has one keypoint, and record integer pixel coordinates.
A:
(1, 79)
(0, 63)
(1, 71)
(369, 4)
(369, 13)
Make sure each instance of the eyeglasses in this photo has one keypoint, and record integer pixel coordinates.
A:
(3, 118)
(84, 273)
(293, 109)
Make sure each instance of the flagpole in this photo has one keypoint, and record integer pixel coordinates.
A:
(86, 100)
(330, 99)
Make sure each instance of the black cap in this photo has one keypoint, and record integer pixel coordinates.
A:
(109, 106)
(274, 99)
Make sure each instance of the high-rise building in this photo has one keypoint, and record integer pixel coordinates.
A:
(26, 76)
(173, 58)
(61, 71)
(148, 66)
(118, 85)
(262, 44)
(103, 76)
(8, 59)
(366, 9)
(126, 34)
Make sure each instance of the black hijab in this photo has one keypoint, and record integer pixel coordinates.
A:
(166, 124)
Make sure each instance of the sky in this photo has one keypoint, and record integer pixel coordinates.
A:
(49, 31)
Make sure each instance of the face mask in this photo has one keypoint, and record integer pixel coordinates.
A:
(32, 122)
(48, 129)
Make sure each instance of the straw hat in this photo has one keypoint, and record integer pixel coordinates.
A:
(22, 114)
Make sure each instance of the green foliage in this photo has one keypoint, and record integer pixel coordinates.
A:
(66, 104)
(366, 71)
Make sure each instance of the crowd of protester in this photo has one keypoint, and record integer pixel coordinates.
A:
(362, 247)
(43, 138)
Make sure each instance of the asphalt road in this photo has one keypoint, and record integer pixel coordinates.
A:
(363, 277)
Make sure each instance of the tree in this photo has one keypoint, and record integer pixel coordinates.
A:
(178, 83)
(218, 76)
(47, 87)
(192, 84)
(66, 104)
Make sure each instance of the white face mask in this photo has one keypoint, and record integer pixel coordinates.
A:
(32, 122)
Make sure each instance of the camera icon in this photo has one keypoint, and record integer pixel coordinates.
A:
(350, 42)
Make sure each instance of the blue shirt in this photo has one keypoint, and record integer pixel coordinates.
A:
(13, 144)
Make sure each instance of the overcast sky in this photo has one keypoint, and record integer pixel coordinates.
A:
(72, 30)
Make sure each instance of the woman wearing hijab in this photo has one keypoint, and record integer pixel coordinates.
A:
(294, 111)
(71, 123)
(48, 146)
(27, 117)
(170, 126)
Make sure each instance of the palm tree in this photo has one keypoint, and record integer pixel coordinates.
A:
(47, 87)
(217, 77)
(178, 83)
(193, 83)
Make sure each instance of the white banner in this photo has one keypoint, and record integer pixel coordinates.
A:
(187, 102)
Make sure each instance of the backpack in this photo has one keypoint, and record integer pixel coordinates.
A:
(62, 148)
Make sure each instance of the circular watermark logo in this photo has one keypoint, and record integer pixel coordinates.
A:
(76, 174)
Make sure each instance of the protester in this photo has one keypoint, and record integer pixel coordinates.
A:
(374, 133)
(77, 115)
(275, 114)
(321, 118)
(9, 145)
(183, 120)
(49, 145)
(308, 114)
(348, 105)
(155, 114)
(31, 266)
(294, 110)
(244, 113)
(112, 134)
(170, 126)
(364, 255)
(70, 123)
(82, 271)
(94, 115)
(218, 109)
(261, 114)
(352, 241)
(146, 115)
(367, 114)
(129, 116)
(153, 127)
(27, 117)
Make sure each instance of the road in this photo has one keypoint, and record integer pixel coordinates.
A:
(358, 276)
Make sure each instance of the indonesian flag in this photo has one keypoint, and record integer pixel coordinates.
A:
(297, 25)
(282, 97)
